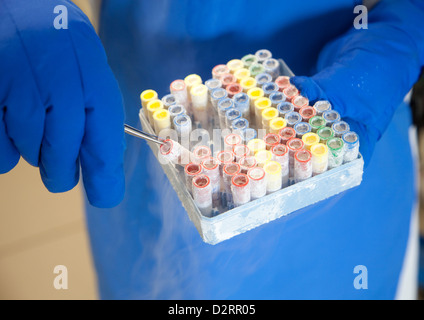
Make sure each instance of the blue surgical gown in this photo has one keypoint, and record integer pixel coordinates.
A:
(147, 248)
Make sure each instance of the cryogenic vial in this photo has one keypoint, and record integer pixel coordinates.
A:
(223, 106)
(190, 171)
(276, 98)
(248, 83)
(324, 134)
(242, 103)
(146, 96)
(240, 188)
(335, 152)
(169, 100)
(282, 82)
(302, 165)
(241, 74)
(170, 152)
(257, 182)
(262, 157)
(212, 84)
(248, 134)
(307, 113)
(340, 128)
(280, 153)
(239, 125)
(272, 139)
(202, 194)
(272, 66)
(300, 102)
(240, 151)
(262, 78)
(229, 170)
(294, 144)
(316, 123)
(351, 142)
(292, 118)
(247, 163)
(161, 120)
(263, 54)
(210, 168)
(176, 110)
(227, 79)
(151, 107)
(224, 157)
(256, 145)
(183, 126)
(286, 134)
(319, 153)
(217, 95)
(234, 65)
(322, 106)
(291, 92)
(199, 101)
(274, 178)
(266, 116)
(233, 89)
(230, 116)
(220, 70)
(309, 139)
(231, 141)
(179, 89)
(254, 94)
(302, 128)
(276, 124)
(255, 69)
(200, 153)
(330, 117)
(269, 88)
(261, 104)
(285, 108)
(248, 59)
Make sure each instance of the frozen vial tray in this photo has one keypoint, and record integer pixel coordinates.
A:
(273, 206)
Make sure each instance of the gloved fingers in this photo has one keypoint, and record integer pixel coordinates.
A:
(308, 88)
(24, 116)
(102, 148)
(60, 147)
(9, 154)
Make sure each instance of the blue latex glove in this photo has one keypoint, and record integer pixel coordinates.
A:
(60, 103)
(366, 73)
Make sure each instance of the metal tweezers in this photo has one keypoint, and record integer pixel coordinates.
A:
(143, 135)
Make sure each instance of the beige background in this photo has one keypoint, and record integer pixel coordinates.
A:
(39, 230)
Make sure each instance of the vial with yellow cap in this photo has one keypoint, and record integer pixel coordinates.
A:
(247, 83)
(276, 124)
(260, 105)
(190, 81)
(151, 107)
(262, 157)
(199, 102)
(256, 145)
(146, 96)
(254, 94)
(241, 74)
(161, 120)
(267, 115)
(319, 153)
(234, 65)
(309, 139)
(274, 178)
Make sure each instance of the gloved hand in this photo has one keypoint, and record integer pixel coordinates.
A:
(366, 73)
(60, 103)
